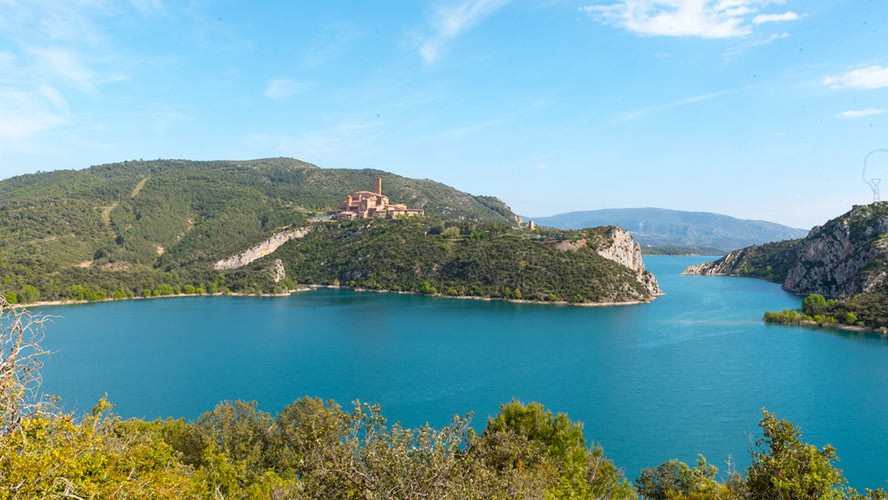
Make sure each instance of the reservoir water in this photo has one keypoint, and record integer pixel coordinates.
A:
(686, 374)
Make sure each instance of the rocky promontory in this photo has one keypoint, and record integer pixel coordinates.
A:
(844, 257)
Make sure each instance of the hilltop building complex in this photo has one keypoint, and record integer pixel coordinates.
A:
(368, 204)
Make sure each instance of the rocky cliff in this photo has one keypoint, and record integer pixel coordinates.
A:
(256, 252)
(846, 256)
(622, 248)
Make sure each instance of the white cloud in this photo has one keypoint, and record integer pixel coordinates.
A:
(284, 88)
(873, 77)
(775, 18)
(860, 113)
(686, 18)
(450, 22)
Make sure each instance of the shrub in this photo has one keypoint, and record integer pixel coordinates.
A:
(28, 295)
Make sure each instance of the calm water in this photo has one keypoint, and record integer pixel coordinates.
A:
(686, 374)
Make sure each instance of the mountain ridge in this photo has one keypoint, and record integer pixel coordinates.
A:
(653, 226)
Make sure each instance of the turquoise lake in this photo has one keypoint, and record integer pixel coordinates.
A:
(686, 374)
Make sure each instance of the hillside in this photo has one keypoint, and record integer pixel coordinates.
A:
(846, 259)
(159, 227)
(662, 227)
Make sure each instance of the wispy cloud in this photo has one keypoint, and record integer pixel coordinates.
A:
(775, 18)
(687, 18)
(861, 113)
(24, 113)
(53, 49)
(873, 77)
(494, 121)
(451, 22)
(733, 51)
(65, 64)
(631, 115)
(285, 88)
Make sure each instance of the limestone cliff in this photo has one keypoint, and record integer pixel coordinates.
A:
(261, 250)
(844, 257)
(621, 248)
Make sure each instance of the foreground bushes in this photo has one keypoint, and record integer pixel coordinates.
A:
(314, 450)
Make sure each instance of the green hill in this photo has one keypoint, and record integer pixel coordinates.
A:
(665, 228)
(158, 227)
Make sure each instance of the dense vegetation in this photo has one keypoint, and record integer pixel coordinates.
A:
(313, 449)
(416, 254)
(155, 227)
(869, 310)
(661, 227)
(461, 259)
(770, 261)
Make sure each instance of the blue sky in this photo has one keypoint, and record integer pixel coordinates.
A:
(754, 108)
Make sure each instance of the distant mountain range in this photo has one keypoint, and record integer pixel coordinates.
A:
(663, 227)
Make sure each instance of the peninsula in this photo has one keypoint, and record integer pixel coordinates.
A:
(173, 227)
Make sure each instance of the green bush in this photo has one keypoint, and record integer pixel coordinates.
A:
(29, 295)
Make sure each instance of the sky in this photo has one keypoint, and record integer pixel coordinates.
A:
(760, 109)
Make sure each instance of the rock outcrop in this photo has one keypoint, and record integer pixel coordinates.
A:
(261, 250)
(277, 271)
(842, 258)
(622, 248)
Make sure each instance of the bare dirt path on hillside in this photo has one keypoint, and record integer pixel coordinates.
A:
(138, 187)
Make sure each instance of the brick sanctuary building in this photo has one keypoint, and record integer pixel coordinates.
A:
(367, 204)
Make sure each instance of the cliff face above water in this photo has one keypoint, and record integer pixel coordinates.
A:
(621, 247)
(846, 256)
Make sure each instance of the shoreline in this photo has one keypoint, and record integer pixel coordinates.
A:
(830, 326)
(303, 288)
(492, 299)
(53, 303)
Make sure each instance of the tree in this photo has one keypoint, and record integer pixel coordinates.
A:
(784, 467)
(814, 304)
(20, 362)
(584, 472)
(29, 294)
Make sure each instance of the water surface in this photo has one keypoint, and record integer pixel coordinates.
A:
(686, 374)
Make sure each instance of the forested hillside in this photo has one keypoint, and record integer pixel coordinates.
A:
(138, 221)
(156, 228)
